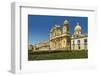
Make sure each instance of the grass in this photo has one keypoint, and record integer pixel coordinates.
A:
(52, 55)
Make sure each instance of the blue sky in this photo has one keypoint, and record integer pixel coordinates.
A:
(40, 25)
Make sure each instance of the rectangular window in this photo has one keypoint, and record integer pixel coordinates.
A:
(78, 46)
(85, 41)
(78, 42)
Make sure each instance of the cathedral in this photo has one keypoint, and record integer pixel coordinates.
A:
(60, 38)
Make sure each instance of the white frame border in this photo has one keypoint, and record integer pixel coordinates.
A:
(16, 30)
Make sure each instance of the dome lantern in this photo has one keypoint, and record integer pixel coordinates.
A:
(77, 30)
(77, 27)
(66, 22)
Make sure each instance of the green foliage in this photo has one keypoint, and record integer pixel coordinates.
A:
(29, 51)
(58, 55)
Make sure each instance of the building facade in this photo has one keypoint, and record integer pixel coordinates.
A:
(61, 39)
(42, 46)
(78, 39)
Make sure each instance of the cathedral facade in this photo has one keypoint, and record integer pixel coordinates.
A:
(61, 39)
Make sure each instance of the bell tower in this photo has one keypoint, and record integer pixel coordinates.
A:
(66, 27)
(66, 41)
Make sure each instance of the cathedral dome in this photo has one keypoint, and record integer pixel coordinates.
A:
(77, 27)
(66, 22)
